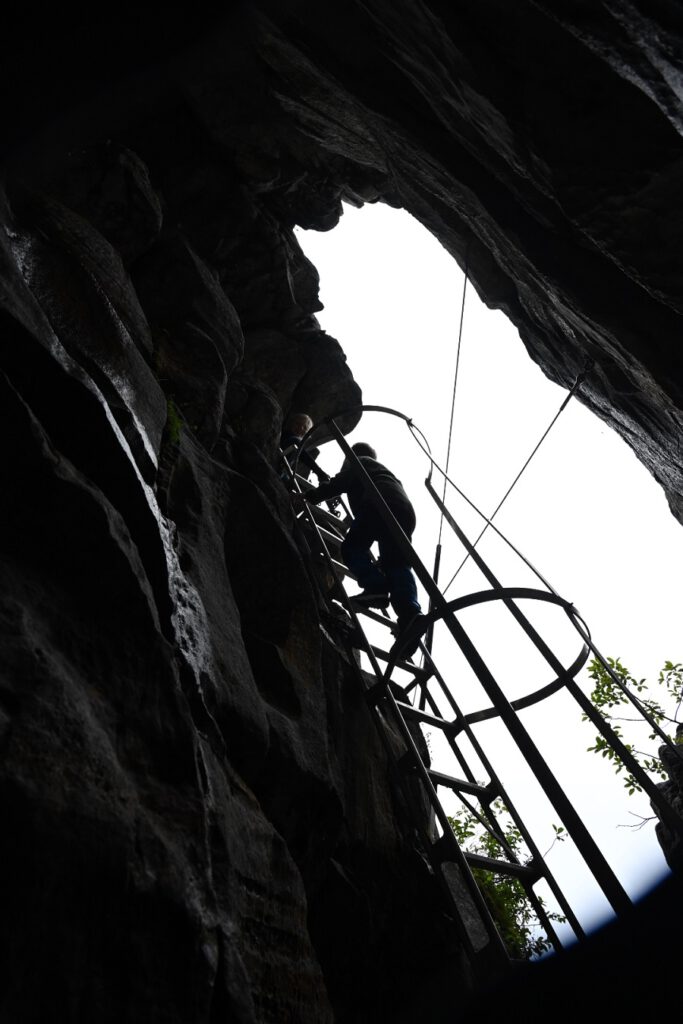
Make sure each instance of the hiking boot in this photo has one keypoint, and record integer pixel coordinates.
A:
(371, 599)
(413, 625)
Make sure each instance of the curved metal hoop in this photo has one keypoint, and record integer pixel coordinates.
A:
(485, 597)
(359, 408)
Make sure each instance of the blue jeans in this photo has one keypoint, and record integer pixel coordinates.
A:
(392, 575)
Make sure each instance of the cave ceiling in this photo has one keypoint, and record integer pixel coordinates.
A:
(539, 142)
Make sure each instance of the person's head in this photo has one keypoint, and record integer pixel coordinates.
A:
(363, 449)
(298, 423)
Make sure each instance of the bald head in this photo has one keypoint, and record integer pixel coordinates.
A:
(298, 423)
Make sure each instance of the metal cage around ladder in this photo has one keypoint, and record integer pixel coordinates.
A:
(437, 705)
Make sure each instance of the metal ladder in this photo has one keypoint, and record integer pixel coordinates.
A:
(394, 715)
(450, 865)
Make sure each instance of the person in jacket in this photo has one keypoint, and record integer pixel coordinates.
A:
(295, 428)
(390, 580)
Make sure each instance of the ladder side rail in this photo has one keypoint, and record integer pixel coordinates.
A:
(449, 734)
(347, 511)
(497, 786)
(469, 775)
(295, 480)
(539, 864)
(457, 854)
(488, 820)
(650, 787)
(429, 638)
(343, 596)
(417, 812)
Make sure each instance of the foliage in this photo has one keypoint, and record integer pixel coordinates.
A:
(505, 896)
(174, 422)
(609, 698)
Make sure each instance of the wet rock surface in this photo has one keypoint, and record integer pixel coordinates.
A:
(199, 819)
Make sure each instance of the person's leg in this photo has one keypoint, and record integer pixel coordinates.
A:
(403, 593)
(402, 586)
(355, 551)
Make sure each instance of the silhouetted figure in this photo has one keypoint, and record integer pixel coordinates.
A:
(296, 427)
(392, 579)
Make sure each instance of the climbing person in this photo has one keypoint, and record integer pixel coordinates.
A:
(295, 428)
(392, 579)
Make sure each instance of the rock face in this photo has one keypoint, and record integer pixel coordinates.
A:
(200, 822)
(672, 788)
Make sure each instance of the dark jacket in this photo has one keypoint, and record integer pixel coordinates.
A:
(348, 482)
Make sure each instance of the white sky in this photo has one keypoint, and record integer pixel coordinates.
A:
(586, 513)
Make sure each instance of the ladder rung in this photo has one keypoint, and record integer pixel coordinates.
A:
(330, 538)
(442, 851)
(462, 786)
(338, 567)
(376, 616)
(502, 867)
(408, 711)
(406, 665)
(322, 514)
(378, 689)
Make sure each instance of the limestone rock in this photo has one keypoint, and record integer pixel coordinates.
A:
(671, 843)
(198, 336)
(110, 187)
(200, 822)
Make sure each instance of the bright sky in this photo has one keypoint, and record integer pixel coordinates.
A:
(586, 513)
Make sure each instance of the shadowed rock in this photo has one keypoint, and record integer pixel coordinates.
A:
(200, 823)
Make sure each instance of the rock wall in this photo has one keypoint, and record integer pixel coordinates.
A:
(200, 824)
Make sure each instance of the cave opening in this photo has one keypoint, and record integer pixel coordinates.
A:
(586, 511)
